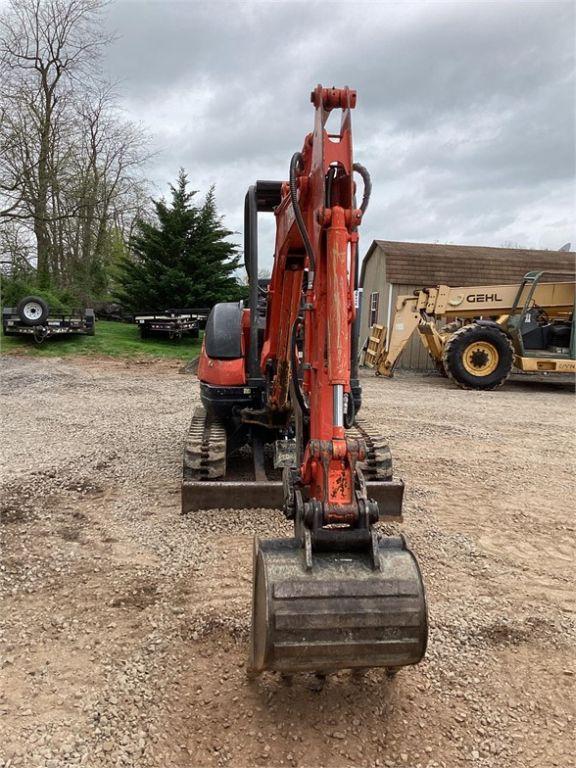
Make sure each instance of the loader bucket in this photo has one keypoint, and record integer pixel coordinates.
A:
(343, 613)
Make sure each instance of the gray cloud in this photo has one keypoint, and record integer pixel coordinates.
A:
(465, 113)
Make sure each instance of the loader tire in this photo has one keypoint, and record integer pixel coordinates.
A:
(478, 357)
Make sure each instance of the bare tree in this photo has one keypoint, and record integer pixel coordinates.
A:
(105, 181)
(66, 158)
(15, 250)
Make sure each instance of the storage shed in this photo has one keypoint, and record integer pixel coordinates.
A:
(391, 269)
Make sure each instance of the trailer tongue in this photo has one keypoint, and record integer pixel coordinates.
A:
(279, 427)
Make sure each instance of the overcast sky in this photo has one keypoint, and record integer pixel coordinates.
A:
(465, 115)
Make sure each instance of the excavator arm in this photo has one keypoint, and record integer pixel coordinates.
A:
(311, 295)
(316, 238)
(337, 594)
(322, 601)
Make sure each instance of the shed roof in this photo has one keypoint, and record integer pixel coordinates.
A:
(427, 264)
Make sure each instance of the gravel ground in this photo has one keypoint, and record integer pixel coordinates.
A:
(124, 625)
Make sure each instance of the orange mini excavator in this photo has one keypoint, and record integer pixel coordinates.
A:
(279, 427)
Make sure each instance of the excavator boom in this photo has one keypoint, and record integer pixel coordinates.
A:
(277, 378)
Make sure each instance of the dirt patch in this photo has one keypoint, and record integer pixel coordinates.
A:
(141, 594)
(69, 533)
(146, 365)
(11, 514)
(124, 629)
(86, 487)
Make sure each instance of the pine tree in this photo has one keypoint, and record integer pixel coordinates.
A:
(182, 260)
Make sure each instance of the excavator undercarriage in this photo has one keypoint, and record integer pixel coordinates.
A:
(218, 473)
(279, 427)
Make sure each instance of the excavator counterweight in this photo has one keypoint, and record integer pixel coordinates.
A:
(280, 426)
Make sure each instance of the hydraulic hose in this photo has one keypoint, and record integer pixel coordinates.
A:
(360, 169)
(295, 380)
(251, 261)
(363, 172)
(295, 163)
(330, 176)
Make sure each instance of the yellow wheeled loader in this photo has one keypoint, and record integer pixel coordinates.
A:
(477, 335)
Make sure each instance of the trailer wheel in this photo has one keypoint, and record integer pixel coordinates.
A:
(33, 310)
(478, 357)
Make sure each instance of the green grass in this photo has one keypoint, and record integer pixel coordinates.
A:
(111, 339)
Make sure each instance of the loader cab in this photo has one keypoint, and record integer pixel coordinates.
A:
(543, 332)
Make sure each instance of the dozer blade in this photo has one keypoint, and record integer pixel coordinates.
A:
(343, 613)
(230, 494)
(269, 494)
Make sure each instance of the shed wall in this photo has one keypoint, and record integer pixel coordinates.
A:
(374, 281)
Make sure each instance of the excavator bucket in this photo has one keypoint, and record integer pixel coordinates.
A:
(350, 610)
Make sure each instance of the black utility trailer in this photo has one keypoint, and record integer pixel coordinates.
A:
(32, 318)
(172, 322)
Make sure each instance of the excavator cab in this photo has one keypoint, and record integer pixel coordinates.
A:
(280, 427)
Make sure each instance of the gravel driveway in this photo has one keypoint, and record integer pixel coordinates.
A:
(124, 625)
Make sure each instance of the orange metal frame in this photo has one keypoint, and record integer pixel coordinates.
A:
(328, 468)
